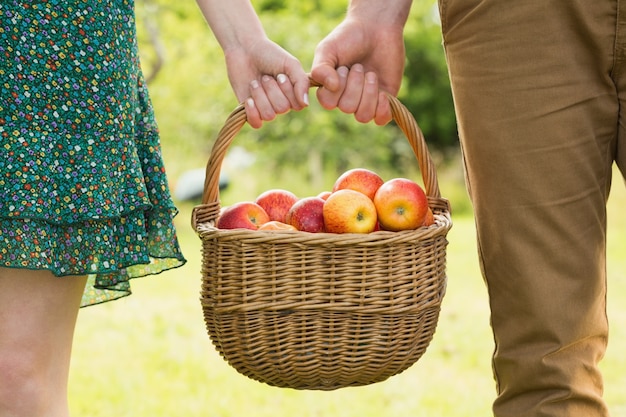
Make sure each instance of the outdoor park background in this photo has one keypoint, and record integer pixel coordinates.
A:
(149, 354)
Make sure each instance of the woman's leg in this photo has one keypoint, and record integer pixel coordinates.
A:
(537, 112)
(37, 318)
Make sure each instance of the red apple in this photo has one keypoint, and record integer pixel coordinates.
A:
(359, 179)
(242, 215)
(401, 204)
(324, 195)
(307, 215)
(349, 211)
(276, 203)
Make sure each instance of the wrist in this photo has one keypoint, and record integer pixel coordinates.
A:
(235, 24)
(389, 13)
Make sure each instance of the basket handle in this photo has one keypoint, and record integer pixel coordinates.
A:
(400, 114)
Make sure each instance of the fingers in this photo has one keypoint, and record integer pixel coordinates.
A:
(355, 92)
(272, 96)
(269, 97)
(365, 109)
(383, 111)
(329, 96)
(258, 106)
(296, 91)
(252, 114)
(301, 89)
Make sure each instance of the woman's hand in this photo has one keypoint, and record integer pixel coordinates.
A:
(267, 79)
(263, 75)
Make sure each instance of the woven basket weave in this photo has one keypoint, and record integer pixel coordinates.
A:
(321, 311)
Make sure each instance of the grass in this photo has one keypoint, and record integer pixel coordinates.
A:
(149, 355)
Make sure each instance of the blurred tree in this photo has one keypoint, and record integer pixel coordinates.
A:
(426, 91)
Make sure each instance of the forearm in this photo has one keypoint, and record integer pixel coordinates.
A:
(234, 22)
(389, 13)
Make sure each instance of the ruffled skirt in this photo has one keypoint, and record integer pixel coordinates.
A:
(83, 190)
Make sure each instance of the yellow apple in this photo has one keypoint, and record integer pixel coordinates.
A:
(276, 225)
(401, 204)
(349, 211)
(359, 179)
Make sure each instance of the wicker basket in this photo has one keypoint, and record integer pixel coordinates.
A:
(321, 311)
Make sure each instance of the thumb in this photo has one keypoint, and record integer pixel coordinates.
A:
(324, 68)
(326, 75)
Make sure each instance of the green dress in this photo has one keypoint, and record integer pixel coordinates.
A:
(83, 189)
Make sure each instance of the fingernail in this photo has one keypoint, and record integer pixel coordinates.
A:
(250, 103)
(282, 78)
(306, 98)
(370, 77)
(254, 84)
(357, 67)
(266, 78)
(342, 71)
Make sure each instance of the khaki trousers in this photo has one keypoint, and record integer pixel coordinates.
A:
(540, 94)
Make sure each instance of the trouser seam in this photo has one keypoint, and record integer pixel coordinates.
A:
(617, 56)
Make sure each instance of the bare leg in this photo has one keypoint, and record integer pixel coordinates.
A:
(37, 318)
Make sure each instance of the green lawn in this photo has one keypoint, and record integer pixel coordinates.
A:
(148, 355)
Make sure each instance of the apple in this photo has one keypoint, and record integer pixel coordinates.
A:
(324, 195)
(307, 215)
(276, 203)
(276, 225)
(359, 179)
(242, 215)
(429, 219)
(401, 204)
(349, 211)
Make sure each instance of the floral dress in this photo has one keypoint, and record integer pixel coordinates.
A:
(83, 189)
